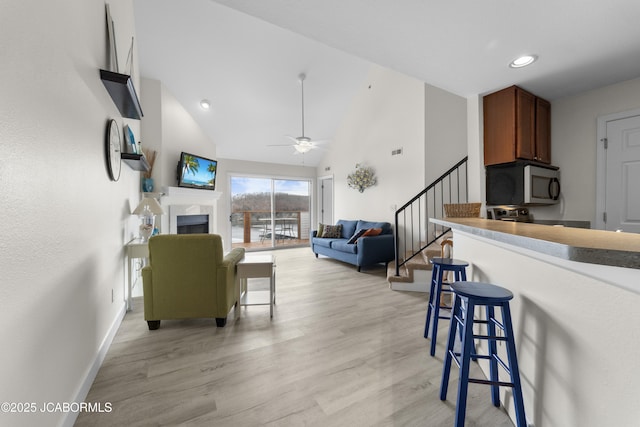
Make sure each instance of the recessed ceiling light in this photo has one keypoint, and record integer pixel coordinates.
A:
(523, 61)
(205, 104)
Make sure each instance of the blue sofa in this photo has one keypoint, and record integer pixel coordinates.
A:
(368, 250)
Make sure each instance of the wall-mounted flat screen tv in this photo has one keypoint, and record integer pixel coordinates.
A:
(197, 172)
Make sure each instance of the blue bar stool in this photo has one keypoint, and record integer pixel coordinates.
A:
(440, 266)
(490, 296)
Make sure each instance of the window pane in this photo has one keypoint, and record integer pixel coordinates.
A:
(292, 219)
(250, 205)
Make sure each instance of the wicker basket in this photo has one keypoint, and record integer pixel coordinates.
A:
(462, 210)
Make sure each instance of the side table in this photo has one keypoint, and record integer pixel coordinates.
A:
(255, 266)
(135, 249)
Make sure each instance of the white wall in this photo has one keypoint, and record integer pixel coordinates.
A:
(169, 129)
(475, 151)
(574, 143)
(386, 114)
(151, 124)
(445, 131)
(64, 222)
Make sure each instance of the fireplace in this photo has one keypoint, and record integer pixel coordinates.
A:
(192, 224)
(189, 219)
(191, 210)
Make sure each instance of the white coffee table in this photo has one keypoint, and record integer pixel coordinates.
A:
(255, 265)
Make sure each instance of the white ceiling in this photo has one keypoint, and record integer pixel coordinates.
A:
(245, 56)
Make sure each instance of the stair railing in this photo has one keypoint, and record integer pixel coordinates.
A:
(414, 232)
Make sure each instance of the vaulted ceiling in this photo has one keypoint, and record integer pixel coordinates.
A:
(245, 57)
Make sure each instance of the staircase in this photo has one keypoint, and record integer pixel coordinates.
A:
(415, 274)
(416, 239)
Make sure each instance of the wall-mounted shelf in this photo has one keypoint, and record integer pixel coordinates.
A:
(120, 87)
(137, 162)
(156, 194)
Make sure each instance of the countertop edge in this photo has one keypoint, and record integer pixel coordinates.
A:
(614, 258)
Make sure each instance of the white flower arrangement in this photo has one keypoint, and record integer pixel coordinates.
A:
(362, 178)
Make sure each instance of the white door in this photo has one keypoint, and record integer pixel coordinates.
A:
(325, 200)
(622, 188)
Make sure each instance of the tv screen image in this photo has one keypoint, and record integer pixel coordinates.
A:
(197, 172)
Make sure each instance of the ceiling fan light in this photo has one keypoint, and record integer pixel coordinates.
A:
(302, 148)
(523, 61)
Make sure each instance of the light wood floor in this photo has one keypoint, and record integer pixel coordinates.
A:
(267, 245)
(342, 350)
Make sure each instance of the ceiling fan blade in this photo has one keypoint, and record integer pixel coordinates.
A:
(280, 145)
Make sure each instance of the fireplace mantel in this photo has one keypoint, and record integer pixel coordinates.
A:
(189, 196)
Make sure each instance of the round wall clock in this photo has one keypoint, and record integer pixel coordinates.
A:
(112, 150)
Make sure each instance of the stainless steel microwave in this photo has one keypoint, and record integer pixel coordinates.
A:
(522, 184)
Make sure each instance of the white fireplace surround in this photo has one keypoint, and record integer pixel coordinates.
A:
(176, 211)
(178, 201)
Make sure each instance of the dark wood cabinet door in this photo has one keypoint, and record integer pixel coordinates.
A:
(499, 109)
(543, 131)
(525, 125)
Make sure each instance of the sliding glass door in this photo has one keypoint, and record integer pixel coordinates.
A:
(270, 212)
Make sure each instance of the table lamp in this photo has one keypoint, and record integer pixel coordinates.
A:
(147, 210)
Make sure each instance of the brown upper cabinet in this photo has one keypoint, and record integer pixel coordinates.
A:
(517, 126)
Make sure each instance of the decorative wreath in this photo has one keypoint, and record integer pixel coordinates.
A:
(362, 178)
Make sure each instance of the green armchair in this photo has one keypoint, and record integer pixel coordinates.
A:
(188, 277)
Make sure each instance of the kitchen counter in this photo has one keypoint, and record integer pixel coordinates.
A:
(576, 297)
(565, 223)
(573, 244)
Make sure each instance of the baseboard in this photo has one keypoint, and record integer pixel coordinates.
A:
(71, 416)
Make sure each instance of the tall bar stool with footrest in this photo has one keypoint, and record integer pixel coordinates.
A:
(474, 294)
(438, 286)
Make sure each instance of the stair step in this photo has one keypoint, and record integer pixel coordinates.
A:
(404, 276)
(418, 262)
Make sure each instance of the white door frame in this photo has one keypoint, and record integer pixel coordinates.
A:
(320, 181)
(601, 163)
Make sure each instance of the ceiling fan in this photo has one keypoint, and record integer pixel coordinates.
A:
(302, 144)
